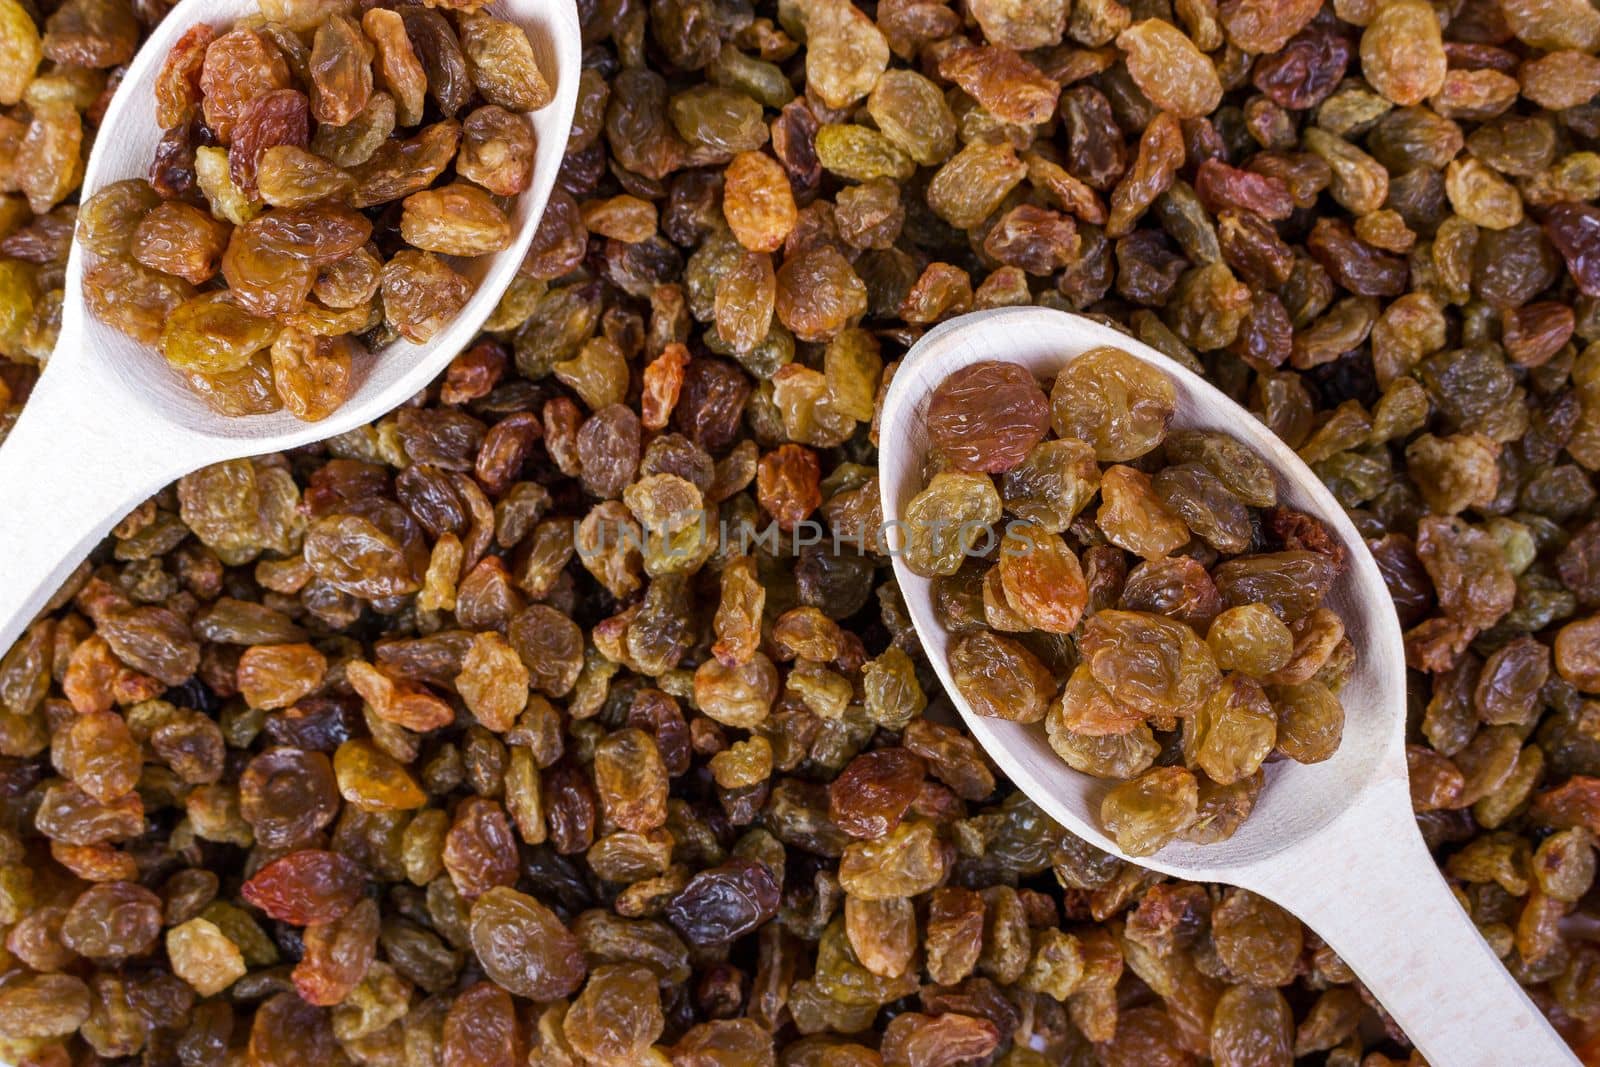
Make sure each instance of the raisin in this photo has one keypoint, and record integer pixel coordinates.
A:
(180, 239)
(496, 150)
(721, 904)
(281, 117)
(523, 945)
(239, 66)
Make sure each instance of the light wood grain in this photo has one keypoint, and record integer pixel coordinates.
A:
(109, 422)
(1336, 842)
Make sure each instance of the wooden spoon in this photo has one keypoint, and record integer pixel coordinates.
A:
(1335, 843)
(109, 423)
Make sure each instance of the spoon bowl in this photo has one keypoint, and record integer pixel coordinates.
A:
(1297, 800)
(109, 422)
(391, 374)
(1335, 842)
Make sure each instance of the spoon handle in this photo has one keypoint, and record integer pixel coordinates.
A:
(70, 469)
(1368, 886)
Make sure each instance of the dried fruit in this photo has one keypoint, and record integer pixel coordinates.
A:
(986, 417)
(239, 66)
(1150, 810)
(203, 956)
(723, 903)
(1379, 238)
(524, 947)
(44, 1005)
(305, 887)
(455, 220)
(1118, 405)
(1402, 53)
(420, 294)
(500, 63)
(617, 1015)
(1175, 74)
(1000, 678)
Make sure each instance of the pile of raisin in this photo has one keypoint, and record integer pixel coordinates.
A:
(463, 739)
(1172, 638)
(318, 165)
